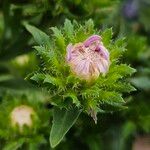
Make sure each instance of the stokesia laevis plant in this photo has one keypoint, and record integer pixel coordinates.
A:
(81, 69)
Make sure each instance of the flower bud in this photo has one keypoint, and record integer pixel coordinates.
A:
(22, 60)
(21, 115)
(88, 59)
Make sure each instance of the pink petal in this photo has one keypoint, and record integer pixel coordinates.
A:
(102, 50)
(91, 39)
(69, 48)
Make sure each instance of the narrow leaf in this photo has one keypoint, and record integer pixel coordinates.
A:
(53, 80)
(106, 36)
(68, 27)
(59, 37)
(89, 25)
(38, 77)
(63, 120)
(39, 36)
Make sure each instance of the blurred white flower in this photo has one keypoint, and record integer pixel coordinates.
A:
(88, 59)
(22, 115)
(22, 60)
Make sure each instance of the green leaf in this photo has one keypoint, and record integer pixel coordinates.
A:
(90, 26)
(123, 70)
(14, 145)
(120, 42)
(116, 52)
(5, 77)
(112, 98)
(53, 80)
(49, 57)
(81, 34)
(68, 27)
(74, 98)
(106, 36)
(44, 54)
(38, 77)
(91, 92)
(141, 82)
(60, 41)
(63, 120)
(39, 36)
(123, 87)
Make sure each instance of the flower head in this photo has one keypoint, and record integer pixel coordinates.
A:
(88, 59)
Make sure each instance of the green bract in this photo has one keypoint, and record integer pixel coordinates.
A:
(65, 89)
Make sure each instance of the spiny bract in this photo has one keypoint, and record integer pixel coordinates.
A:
(65, 88)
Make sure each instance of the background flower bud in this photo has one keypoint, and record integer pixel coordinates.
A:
(22, 115)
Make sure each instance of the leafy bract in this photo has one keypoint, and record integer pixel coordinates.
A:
(64, 87)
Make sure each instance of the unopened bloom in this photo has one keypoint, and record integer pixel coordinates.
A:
(21, 116)
(88, 59)
(22, 60)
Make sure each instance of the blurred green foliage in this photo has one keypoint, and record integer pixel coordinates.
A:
(114, 131)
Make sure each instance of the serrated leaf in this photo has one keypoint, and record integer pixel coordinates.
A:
(112, 98)
(69, 29)
(116, 52)
(91, 93)
(120, 42)
(43, 53)
(59, 38)
(106, 36)
(80, 34)
(53, 80)
(63, 120)
(123, 87)
(74, 98)
(40, 49)
(89, 26)
(112, 78)
(49, 57)
(39, 36)
(123, 69)
(38, 77)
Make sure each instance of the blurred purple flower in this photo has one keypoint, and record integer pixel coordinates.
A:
(130, 9)
(88, 59)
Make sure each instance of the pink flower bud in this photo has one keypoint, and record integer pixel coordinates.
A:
(88, 59)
